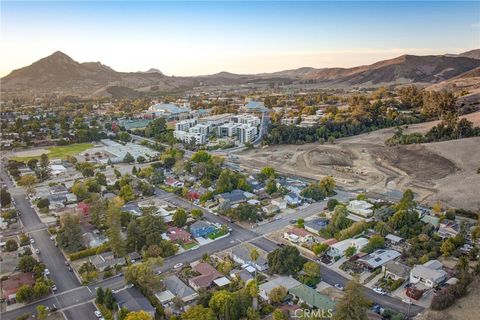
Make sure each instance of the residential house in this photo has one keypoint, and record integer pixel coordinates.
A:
(207, 275)
(338, 249)
(242, 274)
(176, 288)
(235, 196)
(270, 209)
(267, 287)
(429, 219)
(10, 286)
(293, 199)
(316, 224)
(241, 254)
(360, 208)
(105, 260)
(133, 208)
(280, 203)
(298, 235)
(57, 201)
(396, 270)
(133, 300)
(170, 181)
(448, 229)
(393, 239)
(178, 235)
(201, 229)
(429, 274)
(378, 258)
(312, 298)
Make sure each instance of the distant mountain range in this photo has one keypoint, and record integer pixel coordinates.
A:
(60, 74)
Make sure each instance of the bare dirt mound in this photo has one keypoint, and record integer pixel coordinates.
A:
(329, 157)
(417, 162)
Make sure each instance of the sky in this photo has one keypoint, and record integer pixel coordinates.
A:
(195, 38)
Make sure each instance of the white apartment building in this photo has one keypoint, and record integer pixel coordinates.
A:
(361, 208)
(228, 129)
(249, 119)
(189, 137)
(185, 125)
(203, 128)
(246, 133)
(289, 121)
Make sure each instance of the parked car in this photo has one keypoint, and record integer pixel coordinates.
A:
(178, 265)
(37, 251)
(32, 241)
(338, 286)
(54, 287)
(380, 291)
(98, 314)
(46, 272)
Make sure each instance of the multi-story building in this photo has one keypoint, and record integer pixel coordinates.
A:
(249, 119)
(190, 137)
(228, 129)
(185, 125)
(203, 128)
(246, 133)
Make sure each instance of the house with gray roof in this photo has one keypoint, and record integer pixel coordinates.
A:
(106, 259)
(176, 288)
(134, 300)
(241, 254)
(286, 282)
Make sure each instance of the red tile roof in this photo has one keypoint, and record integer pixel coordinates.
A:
(11, 285)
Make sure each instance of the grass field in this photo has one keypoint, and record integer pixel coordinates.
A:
(59, 152)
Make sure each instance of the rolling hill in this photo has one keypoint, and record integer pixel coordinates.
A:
(60, 74)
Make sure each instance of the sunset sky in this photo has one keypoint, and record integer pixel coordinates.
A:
(192, 38)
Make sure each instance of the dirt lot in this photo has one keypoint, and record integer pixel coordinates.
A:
(444, 171)
(466, 308)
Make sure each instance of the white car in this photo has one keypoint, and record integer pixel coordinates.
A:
(380, 291)
(178, 265)
(32, 241)
(52, 238)
(46, 272)
(37, 251)
(98, 314)
(54, 288)
(339, 287)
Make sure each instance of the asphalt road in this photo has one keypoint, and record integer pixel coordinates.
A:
(83, 311)
(49, 254)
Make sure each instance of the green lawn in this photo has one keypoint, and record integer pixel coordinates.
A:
(216, 234)
(189, 245)
(61, 152)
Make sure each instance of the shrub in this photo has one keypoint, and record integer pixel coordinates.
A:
(89, 252)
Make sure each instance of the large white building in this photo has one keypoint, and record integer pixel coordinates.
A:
(185, 125)
(246, 133)
(169, 111)
(228, 129)
(190, 137)
(361, 208)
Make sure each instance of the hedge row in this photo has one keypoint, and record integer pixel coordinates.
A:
(89, 252)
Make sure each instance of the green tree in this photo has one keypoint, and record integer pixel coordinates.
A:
(285, 260)
(11, 245)
(27, 263)
(350, 251)
(28, 181)
(375, 242)
(277, 294)
(447, 247)
(42, 312)
(353, 305)
(278, 314)
(5, 198)
(126, 193)
(114, 231)
(138, 315)
(198, 312)
(320, 248)
(332, 203)
(24, 294)
(69, 237)
(180, 218)
(128, 158)
(109, 299)
(271, 186)
(197, 214)
(100, 296)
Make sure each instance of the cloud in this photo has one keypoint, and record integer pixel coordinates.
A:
(475, 25)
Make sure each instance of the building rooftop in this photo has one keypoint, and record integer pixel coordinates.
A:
(312, 297)
(379, 258)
